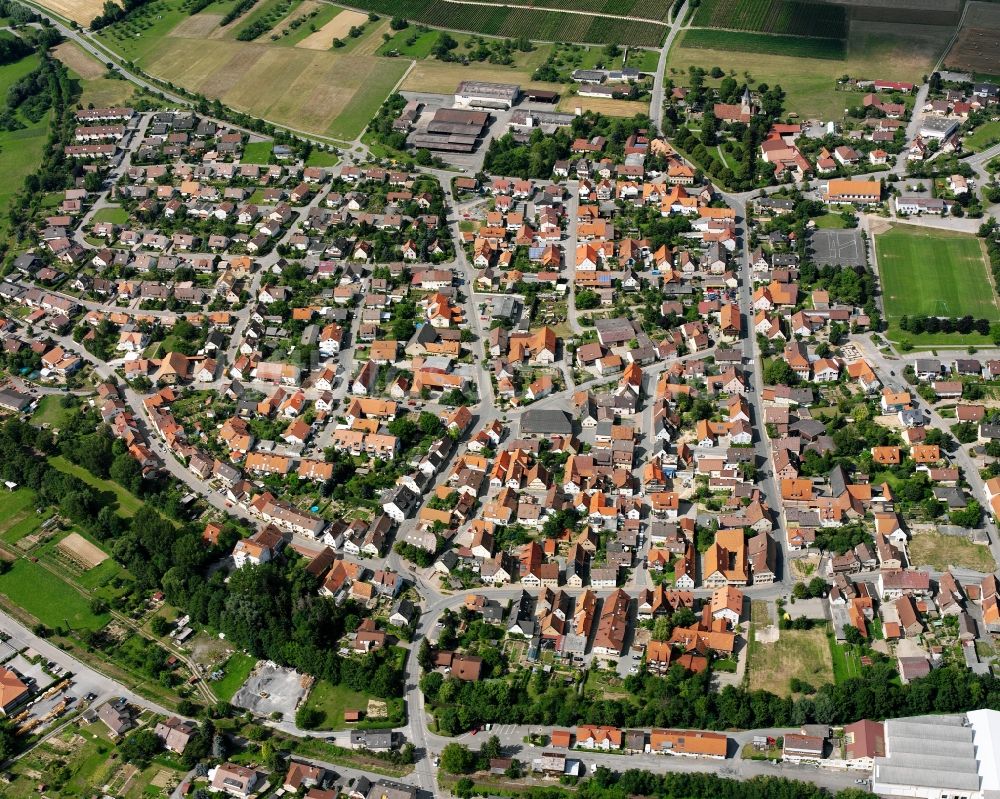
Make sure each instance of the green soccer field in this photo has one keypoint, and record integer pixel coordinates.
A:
(934, 273)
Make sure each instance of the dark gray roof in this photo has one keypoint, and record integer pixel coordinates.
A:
(539, 421)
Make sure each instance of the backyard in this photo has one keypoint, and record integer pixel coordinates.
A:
(846, 660)
(50, 411)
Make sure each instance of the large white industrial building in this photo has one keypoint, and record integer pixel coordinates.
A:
(941, 757)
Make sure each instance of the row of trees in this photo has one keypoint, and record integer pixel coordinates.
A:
(113, 12)
(944, 324)
(685, 700)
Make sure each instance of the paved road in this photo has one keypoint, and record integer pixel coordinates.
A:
(87, 679)
(884, 368)
(656, 96)
(751, 355)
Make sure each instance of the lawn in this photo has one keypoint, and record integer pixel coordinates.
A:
(830, 222)
(894, 51)
(933, 273)
(804, 654)
(411, 43)
(332, 701)
(644, 60)
(604, 684)
(50, 411)
(46, 597)
(941, 551)
(20, 150)
(128, 503)
(257, 152)
(322, 158)
(982, 137)
(114, 214)
(235, 673)
(17, 515)
(846, 661)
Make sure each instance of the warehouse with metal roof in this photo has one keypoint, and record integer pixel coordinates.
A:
(941, 757)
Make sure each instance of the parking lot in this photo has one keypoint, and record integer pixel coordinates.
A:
(837, 247)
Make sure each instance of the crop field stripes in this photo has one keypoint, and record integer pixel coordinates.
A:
(764, 43)
(539, 20)
(791, 17)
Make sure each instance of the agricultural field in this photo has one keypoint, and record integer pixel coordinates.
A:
(82, 11)
(305, 20)
(337, 27)
(80, 760)
(765, 43)
(896, 51)
(975, 48)
(601, 105)
(940, 551)
(933, 273)
(327, 92)
(793, 17)
(262, 18)
(96, 89)
(547, 26)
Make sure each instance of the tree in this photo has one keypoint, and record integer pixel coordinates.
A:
(308, 718)
(968, 516)
(424, 655)
(853, 636)
(587, 299)
(491, 749)
(139, 748)
(457, 759)
(777, 372)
